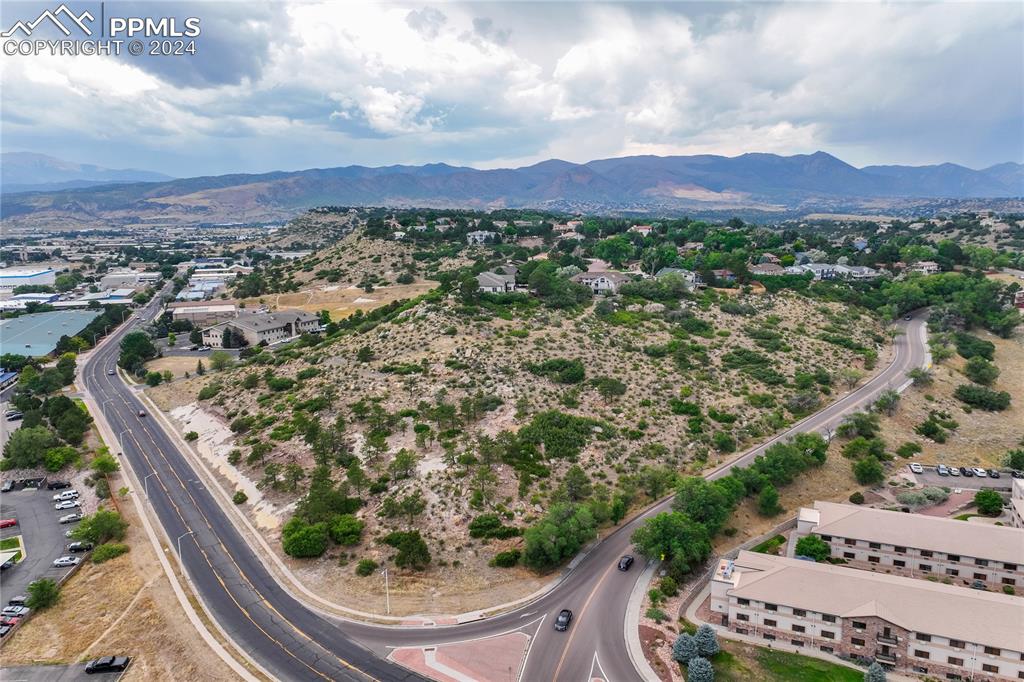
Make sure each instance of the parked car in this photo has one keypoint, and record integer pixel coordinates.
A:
(70, 518)
(969, 473)
(7, 564)
(58, 485)
(69, 533)
(563, 620)
(9, 621)
(4, 629)
(978, 585)
(916, 468)
(625, 562)
(111, 372)
(15, 611)
(994, 473)
(14, 416)
(953, 471)
(979, 472)
(107, 664)
(8, 486)
(66, 561)
(942, 470)
(67, 504)
(80, 547)
(142, 413)
(66, 495)
(17, 601)
(8, 523)
(1017, 474)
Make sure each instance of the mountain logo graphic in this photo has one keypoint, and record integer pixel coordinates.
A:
(53, 16)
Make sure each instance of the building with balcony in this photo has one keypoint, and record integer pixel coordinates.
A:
(916, 545)
(914, 626)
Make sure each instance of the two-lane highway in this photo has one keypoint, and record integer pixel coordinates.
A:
(294, 642)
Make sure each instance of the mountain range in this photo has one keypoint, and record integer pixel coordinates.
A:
(705, 183)
(26, 172)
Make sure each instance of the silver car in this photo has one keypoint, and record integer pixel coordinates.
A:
(67, 504)
(66, 561)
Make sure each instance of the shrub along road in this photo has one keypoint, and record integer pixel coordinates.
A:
(293, 642)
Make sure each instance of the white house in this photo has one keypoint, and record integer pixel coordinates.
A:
(481, 237)
(602, 282)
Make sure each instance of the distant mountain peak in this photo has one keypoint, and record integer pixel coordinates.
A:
(31, 171)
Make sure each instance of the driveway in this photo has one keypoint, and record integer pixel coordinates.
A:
(42, 537)
(930, 477)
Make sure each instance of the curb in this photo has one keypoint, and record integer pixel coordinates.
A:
(632, 624)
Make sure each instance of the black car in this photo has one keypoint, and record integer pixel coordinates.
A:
(107, 664)
(993, 473)
(625, 562)
(58, 485)
(80, 547)
(563, 620)
(966, 472)
(4, 629)
(1017, 474)
(14, 416)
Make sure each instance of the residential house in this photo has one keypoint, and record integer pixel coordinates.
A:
(481, 237)
(821, 270)
(642, 230)
(917, 545)
(925, 267)
(725, 275)
(914, 626)
(266, 328)
(499, 281)
(1018, 299)
(602, 282)
(692, 278)
(767, 269)
(769, 258)
(861, 272)
(690, 247)
(860, 243)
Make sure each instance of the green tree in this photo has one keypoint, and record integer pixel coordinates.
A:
(104, 463)
(200, 370)
(981, 371)
(874, 673)
(26, 447)
(707, 641)
(703, 502)
(675, 538)
(42, 594)
(412, 549)
(868, 471)
(172, 339)
(684, 648)
(988, 502)
(700, 670)
(409, 506)
(768, 501)
(356, 477)
(814, 547)
(103, 526)
(404, 464)
(302, 540)
(346, 529)
(220, 359)
(559, 535)
(577, 484)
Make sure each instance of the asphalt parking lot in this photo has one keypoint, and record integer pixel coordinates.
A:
(52, 673)
(931, 477)
(42, 536)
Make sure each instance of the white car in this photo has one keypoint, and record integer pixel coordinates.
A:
(917, 468)
(66, 504)
(942, 470)
(66, 495)
(70, 518)
(954, 471)
(979, 472)
(66, 561)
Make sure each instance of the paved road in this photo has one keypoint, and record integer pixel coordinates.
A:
(296, 643)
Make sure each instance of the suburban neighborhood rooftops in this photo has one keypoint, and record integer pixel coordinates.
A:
(976, 616)
(977, 540)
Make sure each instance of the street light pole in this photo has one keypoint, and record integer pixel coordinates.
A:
(191, 532)
(145, 482)
(387, 591)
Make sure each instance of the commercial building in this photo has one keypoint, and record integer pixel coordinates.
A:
(1017, 503)
(916, 626)
(917, 545)
(37, 334)
(268, 328)
(131, 279)
(10, 278)
(202, 315)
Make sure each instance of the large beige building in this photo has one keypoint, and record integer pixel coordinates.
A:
(202, 314)
(917, 545)
(916, 626)
(267, 328)
(1017, 503)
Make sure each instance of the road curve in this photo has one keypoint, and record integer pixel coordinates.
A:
(295, 643)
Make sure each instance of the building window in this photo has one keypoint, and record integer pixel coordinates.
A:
(1009, 581)
(743, 602)
(926, 553)
(926, 567)
(953, 676)
(981, 576)
(953, 660)
(874, 545)
(796, 642)
(827, 618)
(799, 612)
(858, 625)
(993, 651)
(827, 634)
(849, 555)
(921, 653)
(742, 616)
(826, 538)
(900, 550)
(771, 607)
(850, 543)
(952, 571)
(856, 641)
(956, 644)
(981, 562)
(799, 628)
(953, 557)
(922, 637)
(899, 563)
(872, 560)
(1010, 567)
(989, 668)
(741, 631)
(828, 650)
(767, 635)
(770, 623)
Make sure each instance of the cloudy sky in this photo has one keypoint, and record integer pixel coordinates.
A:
(315, 84)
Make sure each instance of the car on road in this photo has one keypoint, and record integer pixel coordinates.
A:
(625, 562)
(8, 523)
(15, 611)
(66, 561)
(13, 415)
(111, 372)
(979, 472)
(916, 468)
(953, 471)
(994, 473)
(942, 470)
(8, 486)
(58, 485)
(964, 471)
(142, 413)
(70, 518)
(908, 318)
(75, 547)
(107, 664)
(563, 619)
(67, 504)
(66, 495)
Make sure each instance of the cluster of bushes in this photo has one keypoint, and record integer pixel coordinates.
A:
(324, 513)
(490, 526)
(937, 426)
(923, 497)
(559, 370)
(50, 429)
(753, 364)
(136, 349)
(982, 397)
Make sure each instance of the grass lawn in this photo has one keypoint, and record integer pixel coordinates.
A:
(740, 662)
(771, 545)
(9, 543)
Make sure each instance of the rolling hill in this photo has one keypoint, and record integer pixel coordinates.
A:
(25, 172)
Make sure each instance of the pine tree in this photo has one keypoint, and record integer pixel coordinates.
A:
(685, 648)
(700, 670)
(200, 370)
(706, 641)
(875, 673)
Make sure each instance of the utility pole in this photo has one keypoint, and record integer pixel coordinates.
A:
(387, 591)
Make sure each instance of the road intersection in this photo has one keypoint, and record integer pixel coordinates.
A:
(295, 642)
